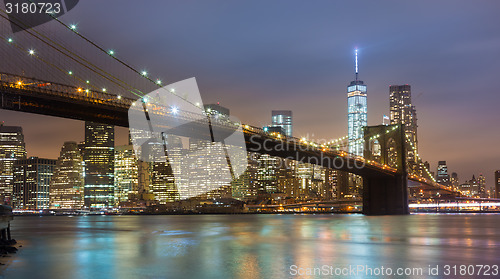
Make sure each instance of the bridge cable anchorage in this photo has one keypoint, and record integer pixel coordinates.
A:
(115, 58)
(103, 74)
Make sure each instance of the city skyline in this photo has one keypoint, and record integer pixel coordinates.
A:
(259, 139)
(442, 89)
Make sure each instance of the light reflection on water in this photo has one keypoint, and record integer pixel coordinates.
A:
(244, 246)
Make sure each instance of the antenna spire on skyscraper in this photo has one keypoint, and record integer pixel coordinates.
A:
(356, 55)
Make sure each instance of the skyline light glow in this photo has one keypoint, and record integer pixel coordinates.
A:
(244, 65)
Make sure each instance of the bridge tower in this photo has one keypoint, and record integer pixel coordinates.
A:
(386, 195)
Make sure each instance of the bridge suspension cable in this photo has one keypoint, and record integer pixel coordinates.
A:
(419, 159)
(158, 82)
(71, 55)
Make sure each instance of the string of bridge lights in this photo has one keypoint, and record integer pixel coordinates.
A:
(144, 74)
(419, 158)
(59, 48)
(112, 53)
(33, 53)
(84, 62)
(333, 142)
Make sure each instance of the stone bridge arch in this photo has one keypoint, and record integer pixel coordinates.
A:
(386, 195)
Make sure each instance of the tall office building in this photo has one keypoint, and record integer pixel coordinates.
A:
(357, 115)
(283, 119)
(66, 186)
(454, 180)
(497, 184)
(481, 180)
(208, 175)
(267, 173)
(288, 181)
(32, 183)
(245, 187)
(474, 186)
(304, 172)
(403, 112)
(465, 188)
(126, 173)
(12, 148)
(206, 163)
(163, 174)
(357, 111)
(442, 173)
(98, 156)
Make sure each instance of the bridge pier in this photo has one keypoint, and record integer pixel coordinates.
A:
(385, 195)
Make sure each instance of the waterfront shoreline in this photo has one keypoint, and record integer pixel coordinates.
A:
(227, 246)
(258, 213)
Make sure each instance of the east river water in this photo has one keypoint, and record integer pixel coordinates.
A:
(254, 246)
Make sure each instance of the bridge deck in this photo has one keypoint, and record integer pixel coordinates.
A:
(43, 97)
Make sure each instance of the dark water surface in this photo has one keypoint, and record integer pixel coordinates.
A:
(247, 246)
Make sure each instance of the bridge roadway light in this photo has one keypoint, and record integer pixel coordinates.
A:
(70, 73)
(158, 81)
(104, 90)
(72, 27)
(120, 97)
(144, 73)
(10, 40)
(175, 110)
(111, 52)
(31, 52)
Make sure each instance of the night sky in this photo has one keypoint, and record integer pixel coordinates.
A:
(256, 56)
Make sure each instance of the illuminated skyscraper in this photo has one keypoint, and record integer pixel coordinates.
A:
(481, 180)
(207, 165)
(267, 173)
(356, 113)
(209, 175)
(497, 184)
(163, 174)
(32, 182)
(454, 180)
(245, 187)
(283, 119)
(126, 172)
(474, 186)
(442, 173)
(66, 186)
(11, 148)
(403, 112)
(98, 156)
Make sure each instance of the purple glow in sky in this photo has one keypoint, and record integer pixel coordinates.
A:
(256, 56)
